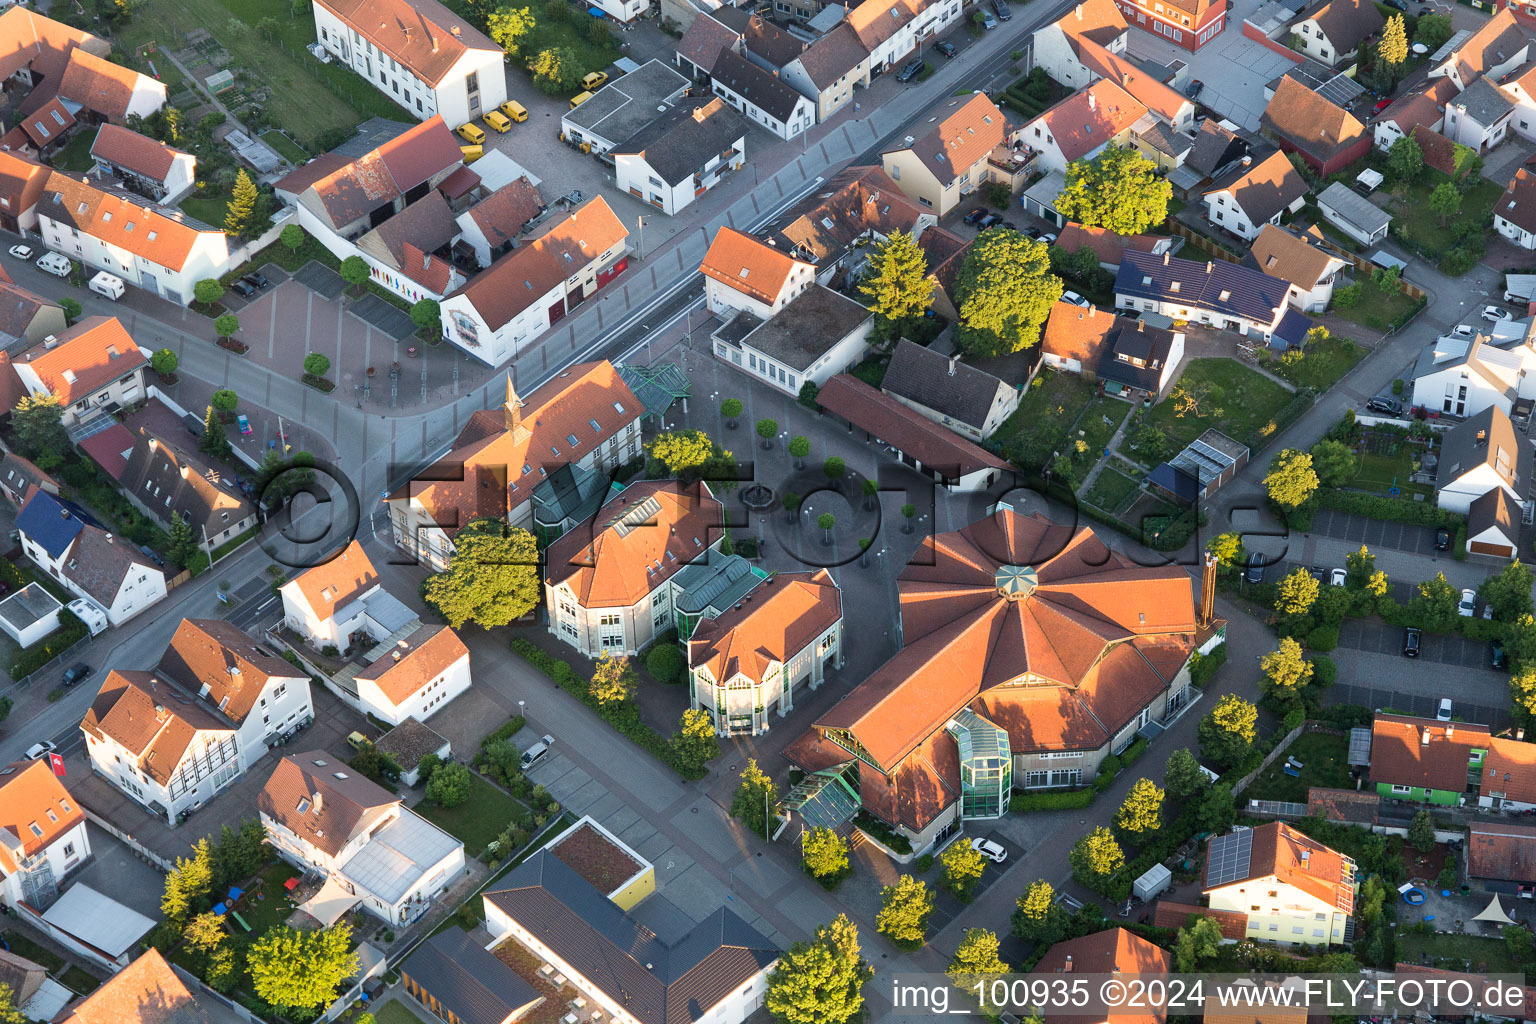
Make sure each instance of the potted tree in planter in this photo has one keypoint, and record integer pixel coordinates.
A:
(165, 363)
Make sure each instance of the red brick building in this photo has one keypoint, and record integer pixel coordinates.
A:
(1189, 23)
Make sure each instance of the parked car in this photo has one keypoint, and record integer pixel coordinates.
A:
(1336, 577)
(356, 740)
(1010, 225)
(1389, 406)
(1254, 573)
(1412, 638)
(989, 849)
(242, 289)
(55, 264)
(256, 279)
(39, 750)
(1001, 7)
(1443, 714)
(594, 80)
(946, 48)
(975, 215)
(1074, 298)
(1195, 87)
(535, 753)
(472, 133)
(1496, 658)
(988, 221)
(1442, 538)
(1048, 237)
(497, 121)
(1493, 314)
(514, 110)
(910, 70)
(22, 252)
(1465, 608)
(1397, 5)
(1381, 104)
(987, 21)
(1462, 331)
(75, 673)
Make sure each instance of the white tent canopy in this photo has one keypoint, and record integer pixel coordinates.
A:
(327, 905)
(1494, 913)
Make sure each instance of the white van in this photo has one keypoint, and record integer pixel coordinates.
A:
(108, 285)
(94, 618)
(55, 264)
(535, 753)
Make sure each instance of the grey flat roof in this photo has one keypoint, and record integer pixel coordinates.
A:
(394, 860)
(618, 110)
(29, 604)
(803, 331)
(382, 607)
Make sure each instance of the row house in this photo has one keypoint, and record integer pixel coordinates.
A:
(1462, 374)
(94, 565)
(1222, 295)
(761, 96)
(1190, 24)
(681, 155)
(161, 478)
(1088, 44)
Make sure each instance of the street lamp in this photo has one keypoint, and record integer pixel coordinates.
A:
(640, 239)
(520, 705)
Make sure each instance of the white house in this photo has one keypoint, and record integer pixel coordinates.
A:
(968, 400)
(749, 661)
(91, 563)
(1332, 33)
(1514, 215)
(605, 589)
(168, 752)
(42, 834)
(1217, 294)
(584, 417)
(1311, 270)
(1424, 106)
(29, 614)
(828, 70)
(146, 165)
(326, 604)
(530, 288)
(1499, 46)
(492, 225)
(744, 274)
(418, 53)
(326, 819)
(160, 252)
(1464, 374)
(1083, 124)
(1506, 782)
(1088, 43)
(415, 676)
(716, 973)
(1479, 117)
(623, 108)
(1258, 194)
(817, 334)
(681, 155)
(1482, 453)
(889, 30)
(760, 96)
(109, 91)
(1290, 888)
(91, 366)
(1520, 86)
(266, 698)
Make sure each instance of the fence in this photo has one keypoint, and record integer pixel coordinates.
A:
(144, 852)
(1252, 31)
(1208, 245)
(1269, 759)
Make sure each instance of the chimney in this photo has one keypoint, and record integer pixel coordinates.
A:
(1093, 100)
(1209, 264)
(1450, 730)
(456, 31)
(153, 444)
(1482, 437)
(699, 113)
(1165, 259)
(186, 471)
(1068, 968)
(1079, 12)
(1141, 327)
(314, 802)
(109, 539)
(952, 361)
(1425, 740)
(1247, 161)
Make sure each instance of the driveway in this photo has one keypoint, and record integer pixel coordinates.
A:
(1375, 533)
(1380, 638)
(1422, 705)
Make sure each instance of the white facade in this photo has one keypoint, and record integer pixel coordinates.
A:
(1462, 127)
(1452, 387)
(839, 357)
(617, 630)
(801, 119)
(208, 257)
(1458, 495)
(723, 300)
(1364, 234)
(123, 391)
(1054, 52)
(334, 630)
(141, 585)
(935, 17)
(1278, 911)
(1523, 121)
(624, 11)
(476, 83)
(47, 867)
(1316, 44)
(385, 275)
(640, 180)
(836, 95)
(1514, 232)
(211, 762)
(740, 705)
(177, 181)
(421, 704)
(1223, 209)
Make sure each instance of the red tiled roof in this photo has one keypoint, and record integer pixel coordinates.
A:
(147, 717)
(1439, 152)
(423, 35)
(1518, 203)
(1096, 20)
(336, 581)
(1115, 951)
(426, 654)
(939, 449)
(1077, 332)
(1505, 852)
(101, 86)
(1510, 770)
(754, 268)
(1425, 105)
(1105, 243)
(1090, 117)
(786, 612)
(959, 138)
(84, 359)
(30, 39)
(356, 188)
(1174, 915)
(117, 221)
(47, 124)
(1313, 125)
(460, 182)
(227, 660)
(504, 213)
(109, 449)
(137, 153)
(21, 183)
(1278, 850)
(32, 796)
(1497, 40)
(147, 991)
(1422, 752)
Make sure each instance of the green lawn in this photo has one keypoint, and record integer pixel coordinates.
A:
(207, 205)
(1323, 363)
(23, 946)
(1247, 403)
(1376, 309)
(76, 154)
(571, 33)
(299, 99)
(286, 147)
(79, 981)
(1420, 223)
(1110, 489)
(1465, 952)
(478, 820)
(264, 914)
(1044, 417)
(395, 1012)
(1327, 764)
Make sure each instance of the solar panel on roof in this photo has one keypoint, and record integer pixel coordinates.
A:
(1230, 857)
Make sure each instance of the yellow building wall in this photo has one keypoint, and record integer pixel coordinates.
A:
(636, 889)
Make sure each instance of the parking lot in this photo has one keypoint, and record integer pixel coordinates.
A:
(1380, 638)
(1422, 705)
(946, 907)
(1375, 533)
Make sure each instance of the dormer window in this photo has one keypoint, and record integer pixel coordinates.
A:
(36, 829)
(106, 217)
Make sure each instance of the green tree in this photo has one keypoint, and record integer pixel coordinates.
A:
(37, 424)
(225, 400)
(165, 362)
(1296, 592)
(613, 681)
(963, 866)
(1433, 30)
(682, 451)
(510, 27)
(1421, 831)
(1518, 942)
(1445, 200)
(226, 325)
(1228, 730)
(799, 447)
(204, 933)
(1509, 593)
(10, 1013)
(427, 315)
(1182, 775)
(242, 203)
(904, 909)
(1196, 944)
(1334, 463)
(297, 971)
(907, 512)
(730, 409)
(187, 886)
(425, 767)
(767, 430)
(492, 577)
(1285, 670)
(1142, 810)
(1037, 917)
(896, 285)
(1435, 604)
(821, 981)
(695, 744)
(1358, 567)
(316, 365)
(72, 309)
(292, 237)
(826, 521)
(207, 291)
(754, 798)
(1291, 481)
(239, 853)
(183, 544)
(1392, 47)
(1405, 159)
(834, 469)
(976, 961)
(1197, 398)
(1377, 584)
(1228, 548)
(1004, 293)
(450, 784)
(1218, 809)
(1095, 858)
(824, 853)
(555, 69)
(214, 441)
(666, 662)
(354, 271)
(1520, 640)
(1119, 189)
(1522, 691)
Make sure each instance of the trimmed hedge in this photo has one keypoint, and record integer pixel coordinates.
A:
(1203, 666)
(1066, 800)
(1396, 510)
(506, 732)
(30, 659)
(623, 716)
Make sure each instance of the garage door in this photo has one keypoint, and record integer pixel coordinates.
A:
(556, 310)
(1478, 547)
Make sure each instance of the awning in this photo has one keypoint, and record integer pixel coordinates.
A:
(1495, 913)
(327, 905)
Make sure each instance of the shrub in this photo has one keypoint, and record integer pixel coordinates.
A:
(1323, 638)
(1066, 800)
(1203, 666)
(666, 662)
(1324, 671)
(1397, 510)
(450, 785)
(30, 659)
